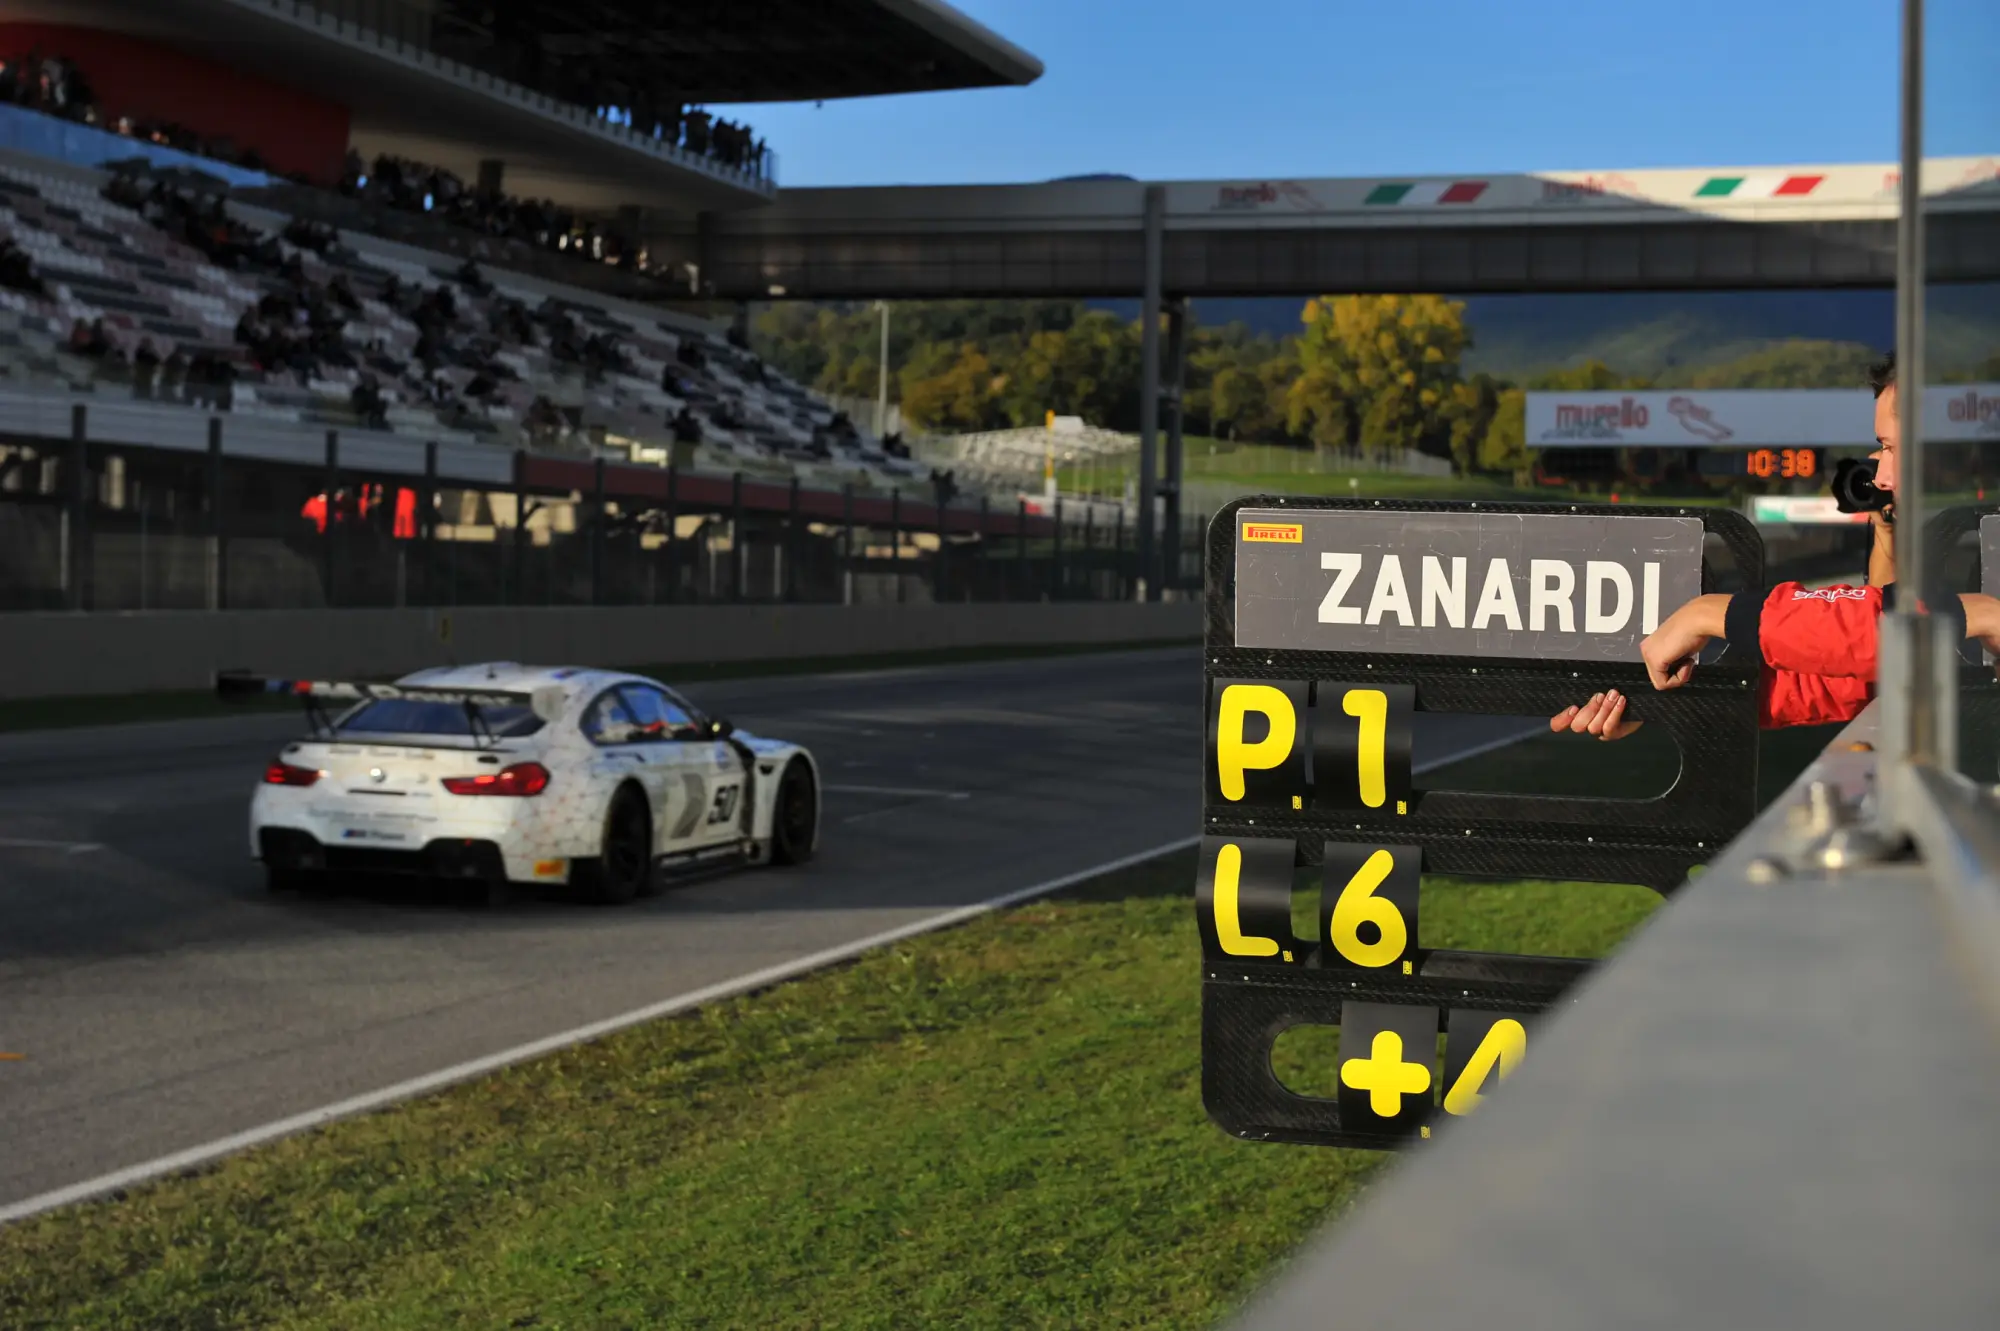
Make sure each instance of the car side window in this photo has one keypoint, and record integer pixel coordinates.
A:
(609, 720)
(658, 715)
(696, 716)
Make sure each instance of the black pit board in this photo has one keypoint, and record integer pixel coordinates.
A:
(1306, 762)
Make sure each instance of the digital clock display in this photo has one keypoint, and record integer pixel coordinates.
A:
(1764, 464)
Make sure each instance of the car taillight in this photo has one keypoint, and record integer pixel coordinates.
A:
(281, 773)
(520, 779)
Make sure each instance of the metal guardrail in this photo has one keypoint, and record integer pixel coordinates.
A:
(1774, 1109)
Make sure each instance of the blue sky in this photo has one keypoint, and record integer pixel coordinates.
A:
(1201, 89)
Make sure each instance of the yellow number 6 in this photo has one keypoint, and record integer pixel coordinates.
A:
(1358, 905)
(1371, 708)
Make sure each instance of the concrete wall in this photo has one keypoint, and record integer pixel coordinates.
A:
(49, 654)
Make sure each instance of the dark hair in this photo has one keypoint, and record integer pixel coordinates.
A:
(1882, 374)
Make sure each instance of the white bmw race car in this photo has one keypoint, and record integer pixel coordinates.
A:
(506, 773)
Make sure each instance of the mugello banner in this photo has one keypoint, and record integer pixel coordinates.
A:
(1748, 418)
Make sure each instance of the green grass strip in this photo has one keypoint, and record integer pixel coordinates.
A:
(997, 1126)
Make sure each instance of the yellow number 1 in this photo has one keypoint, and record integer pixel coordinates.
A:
(1371, 708)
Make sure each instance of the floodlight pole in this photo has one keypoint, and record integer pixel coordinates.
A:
(1170, 484)
(882, 376)
(1149, 388)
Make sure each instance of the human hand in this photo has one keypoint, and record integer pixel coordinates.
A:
(1603, 716)
(1982, 620)
(1669, 651)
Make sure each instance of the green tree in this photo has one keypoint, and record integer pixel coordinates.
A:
(1468, 416)
(1504, 445)
(1377, 372)
(953, 389)
(1794, 363)
(1593, 376)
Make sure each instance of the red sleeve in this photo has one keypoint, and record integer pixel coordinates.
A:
(1822, 631)
(1789, 698)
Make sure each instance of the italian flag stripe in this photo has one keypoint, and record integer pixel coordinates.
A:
(1758, 187)
(1420, 193)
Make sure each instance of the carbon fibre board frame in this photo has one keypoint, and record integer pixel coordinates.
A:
(1248, 1002)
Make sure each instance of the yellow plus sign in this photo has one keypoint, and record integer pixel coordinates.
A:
(1385, 1076)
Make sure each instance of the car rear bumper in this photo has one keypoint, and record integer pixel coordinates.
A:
(456, 857)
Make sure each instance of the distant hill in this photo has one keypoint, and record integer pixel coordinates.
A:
(1669, 335)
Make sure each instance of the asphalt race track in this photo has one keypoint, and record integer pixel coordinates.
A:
(160, 999)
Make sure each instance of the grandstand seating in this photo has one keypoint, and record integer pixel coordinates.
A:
(101, 260)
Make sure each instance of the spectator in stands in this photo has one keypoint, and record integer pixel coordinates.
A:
(145, 367)
(469, 276)
(342, 294)
(510, 320)
(173, 376)
(368, 403)
(543, 421)
(687, 430)
(311, 236)
(89, 339)
(17, 270)
(211, 380)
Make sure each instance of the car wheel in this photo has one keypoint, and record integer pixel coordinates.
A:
(624, 865)
(283, 877)
(795, 820)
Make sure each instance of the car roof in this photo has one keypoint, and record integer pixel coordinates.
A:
(513, 677)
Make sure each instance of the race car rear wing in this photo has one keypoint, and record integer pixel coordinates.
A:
(314, 694)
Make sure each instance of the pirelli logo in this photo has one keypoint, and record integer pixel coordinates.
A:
(1274, 533)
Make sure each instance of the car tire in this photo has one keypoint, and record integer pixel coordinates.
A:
(795, 815)
(623, 868)
(283, 878)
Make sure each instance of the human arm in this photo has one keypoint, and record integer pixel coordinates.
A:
(1882, 553)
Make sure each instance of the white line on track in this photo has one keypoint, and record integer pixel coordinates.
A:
(36, 843)
(913, 793)
(360, 1104)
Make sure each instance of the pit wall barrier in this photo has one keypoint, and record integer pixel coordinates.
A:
(48, 655)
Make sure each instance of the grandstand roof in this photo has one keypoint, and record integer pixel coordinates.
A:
(721, 51)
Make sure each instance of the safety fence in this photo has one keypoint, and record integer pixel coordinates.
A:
(218, 514)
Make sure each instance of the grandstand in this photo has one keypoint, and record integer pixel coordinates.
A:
(156, 286)
(160, 306)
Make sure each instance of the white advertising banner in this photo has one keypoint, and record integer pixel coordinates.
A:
(1748, 418)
